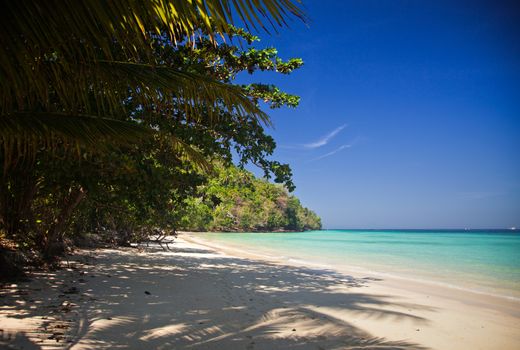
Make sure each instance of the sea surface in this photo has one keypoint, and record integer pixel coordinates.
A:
(483, 261)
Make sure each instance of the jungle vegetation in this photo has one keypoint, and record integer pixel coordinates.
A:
(115, 116)
(235, 200)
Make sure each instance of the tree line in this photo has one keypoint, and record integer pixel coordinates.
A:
(117, 116)
(235, 200)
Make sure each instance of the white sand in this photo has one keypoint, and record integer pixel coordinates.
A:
(201, 298)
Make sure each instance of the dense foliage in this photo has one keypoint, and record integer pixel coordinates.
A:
(235, 200)
(127, 191)
(65, 67)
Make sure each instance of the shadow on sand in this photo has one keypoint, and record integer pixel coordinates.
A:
(194, 299)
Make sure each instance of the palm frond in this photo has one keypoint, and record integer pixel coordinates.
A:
(58, 56)
(53, 22)
(101, 86)
(23, 134)
(195, 92)
(33, 33)
(86, 129)
(186, 152)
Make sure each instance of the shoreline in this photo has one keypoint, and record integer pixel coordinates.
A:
(502, 302)
(202, 297)
(395, 277)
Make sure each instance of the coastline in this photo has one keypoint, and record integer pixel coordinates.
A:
(397, 283)
(207, 297)
(354, 260)
(391, 278)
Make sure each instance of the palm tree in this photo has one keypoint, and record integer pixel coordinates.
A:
(67, 69)
(61, 79)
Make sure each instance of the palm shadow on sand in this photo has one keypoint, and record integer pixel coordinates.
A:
(242, 304)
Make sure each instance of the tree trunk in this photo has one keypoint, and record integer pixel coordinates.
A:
(54, 240)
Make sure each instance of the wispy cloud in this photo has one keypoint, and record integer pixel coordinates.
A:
(331, 152)
(325, 139)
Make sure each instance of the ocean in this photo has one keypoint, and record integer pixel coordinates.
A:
(483, 261)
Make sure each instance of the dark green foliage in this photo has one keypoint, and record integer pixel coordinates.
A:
(136, 194)
(234, 200)
(61, 59)
(127, 191)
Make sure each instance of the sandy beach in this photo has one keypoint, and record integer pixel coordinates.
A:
(197, 296)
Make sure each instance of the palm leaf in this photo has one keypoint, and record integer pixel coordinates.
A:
(101, 86)
(186, 152)
(58, 56)
(201, 97)
(35, 32)
(86, 129)
(23, 134)
(196, 92)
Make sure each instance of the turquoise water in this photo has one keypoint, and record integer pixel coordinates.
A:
(483, 261)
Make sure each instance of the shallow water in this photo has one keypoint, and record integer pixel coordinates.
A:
(481, 261)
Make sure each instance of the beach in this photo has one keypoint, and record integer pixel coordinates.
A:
(201, 296)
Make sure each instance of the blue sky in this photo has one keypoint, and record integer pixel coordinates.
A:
(410, 113)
